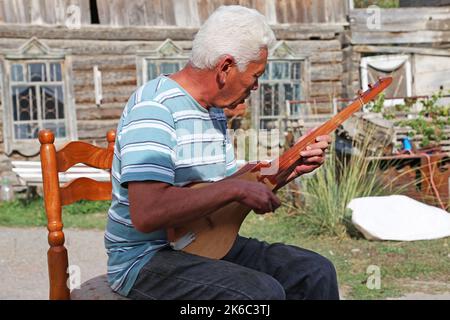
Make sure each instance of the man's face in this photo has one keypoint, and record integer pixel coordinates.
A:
(238, 85)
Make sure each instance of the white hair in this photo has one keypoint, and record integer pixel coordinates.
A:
(235, 30)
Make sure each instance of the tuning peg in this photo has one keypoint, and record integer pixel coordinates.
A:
(370, 85)
(380, 79)
(360, 92)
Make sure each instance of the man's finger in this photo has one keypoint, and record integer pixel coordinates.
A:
(318, 145)
(311, 153)
(326, 138)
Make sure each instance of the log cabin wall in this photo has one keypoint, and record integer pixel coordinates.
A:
(115, 35)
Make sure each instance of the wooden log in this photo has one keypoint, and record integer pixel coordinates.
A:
(398, 19)
(399, 50)
(327, 56)
(100, 113)
(156, 33)
(421, 36)
(325, 88)
(110, 62)
(326, 72)
(95, 129)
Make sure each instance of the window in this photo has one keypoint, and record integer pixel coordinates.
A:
(156, 67)
(37, 99)
(280, 82)
(285, 79)
(36, 94)
(396, 66)
(166, 59)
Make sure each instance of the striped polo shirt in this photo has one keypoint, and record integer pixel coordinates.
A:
(163, 135)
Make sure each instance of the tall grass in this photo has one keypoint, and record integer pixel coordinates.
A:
(327, 193)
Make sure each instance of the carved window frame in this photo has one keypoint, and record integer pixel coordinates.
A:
(281, 53)
(167, 52)
(35, 51)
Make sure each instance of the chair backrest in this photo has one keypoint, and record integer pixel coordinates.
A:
(56, 196)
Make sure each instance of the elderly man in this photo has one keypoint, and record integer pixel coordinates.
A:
(173, 132)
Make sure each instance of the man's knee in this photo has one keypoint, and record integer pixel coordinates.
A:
(324, 268)
(260, 286)
(322, 279)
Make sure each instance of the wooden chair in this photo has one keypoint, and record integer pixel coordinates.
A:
(56, 196)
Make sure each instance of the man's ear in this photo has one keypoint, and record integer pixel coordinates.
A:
(223, 69)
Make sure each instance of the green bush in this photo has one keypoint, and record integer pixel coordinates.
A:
(327, 193)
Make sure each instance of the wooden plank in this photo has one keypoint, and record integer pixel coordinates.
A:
(97, 33)
(38, 12)
(109, 78)
(110, 94)
(110, 62)
(102, 113)
(325, 72)
(2, 11)
(328, 89)
(95, 129)
(308, 47)
(15, 11)
(327, 56)
(399, 16)
(90, 47)
(421, 36)
(136, 12)
(400, 50)
(294, 32)
(431, 74)
(186, 13)
(104, 14)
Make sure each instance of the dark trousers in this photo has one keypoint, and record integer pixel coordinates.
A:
(252, 270)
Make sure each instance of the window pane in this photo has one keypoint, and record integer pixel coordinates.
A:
(276, 109)
(52, 102)
(297, 92)
(288, 92)
(55, 72)
(152, 71)
(280, 70)
(266, 99)
(17, 72)
(295, 71)
(58, 128)
(26, 131)
(169, 67)
(24, 103)
(36, 72)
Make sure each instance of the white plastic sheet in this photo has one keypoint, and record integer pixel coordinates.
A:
(399, 218)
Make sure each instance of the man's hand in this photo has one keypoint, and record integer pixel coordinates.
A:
(311, 158)
(255, 195)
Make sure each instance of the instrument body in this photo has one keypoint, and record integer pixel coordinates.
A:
(213, 235)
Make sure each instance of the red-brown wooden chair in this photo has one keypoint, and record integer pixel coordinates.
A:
(56, 196)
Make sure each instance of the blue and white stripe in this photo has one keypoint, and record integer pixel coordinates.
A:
(163, 135)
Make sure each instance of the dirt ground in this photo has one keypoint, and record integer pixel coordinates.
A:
(23, 264)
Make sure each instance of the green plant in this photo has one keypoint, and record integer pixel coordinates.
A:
(328, 192)
(428, 123)
(379, 3)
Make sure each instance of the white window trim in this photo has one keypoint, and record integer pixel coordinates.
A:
(365, 76)
(283, 52)
(35, 50)
(167, 51)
